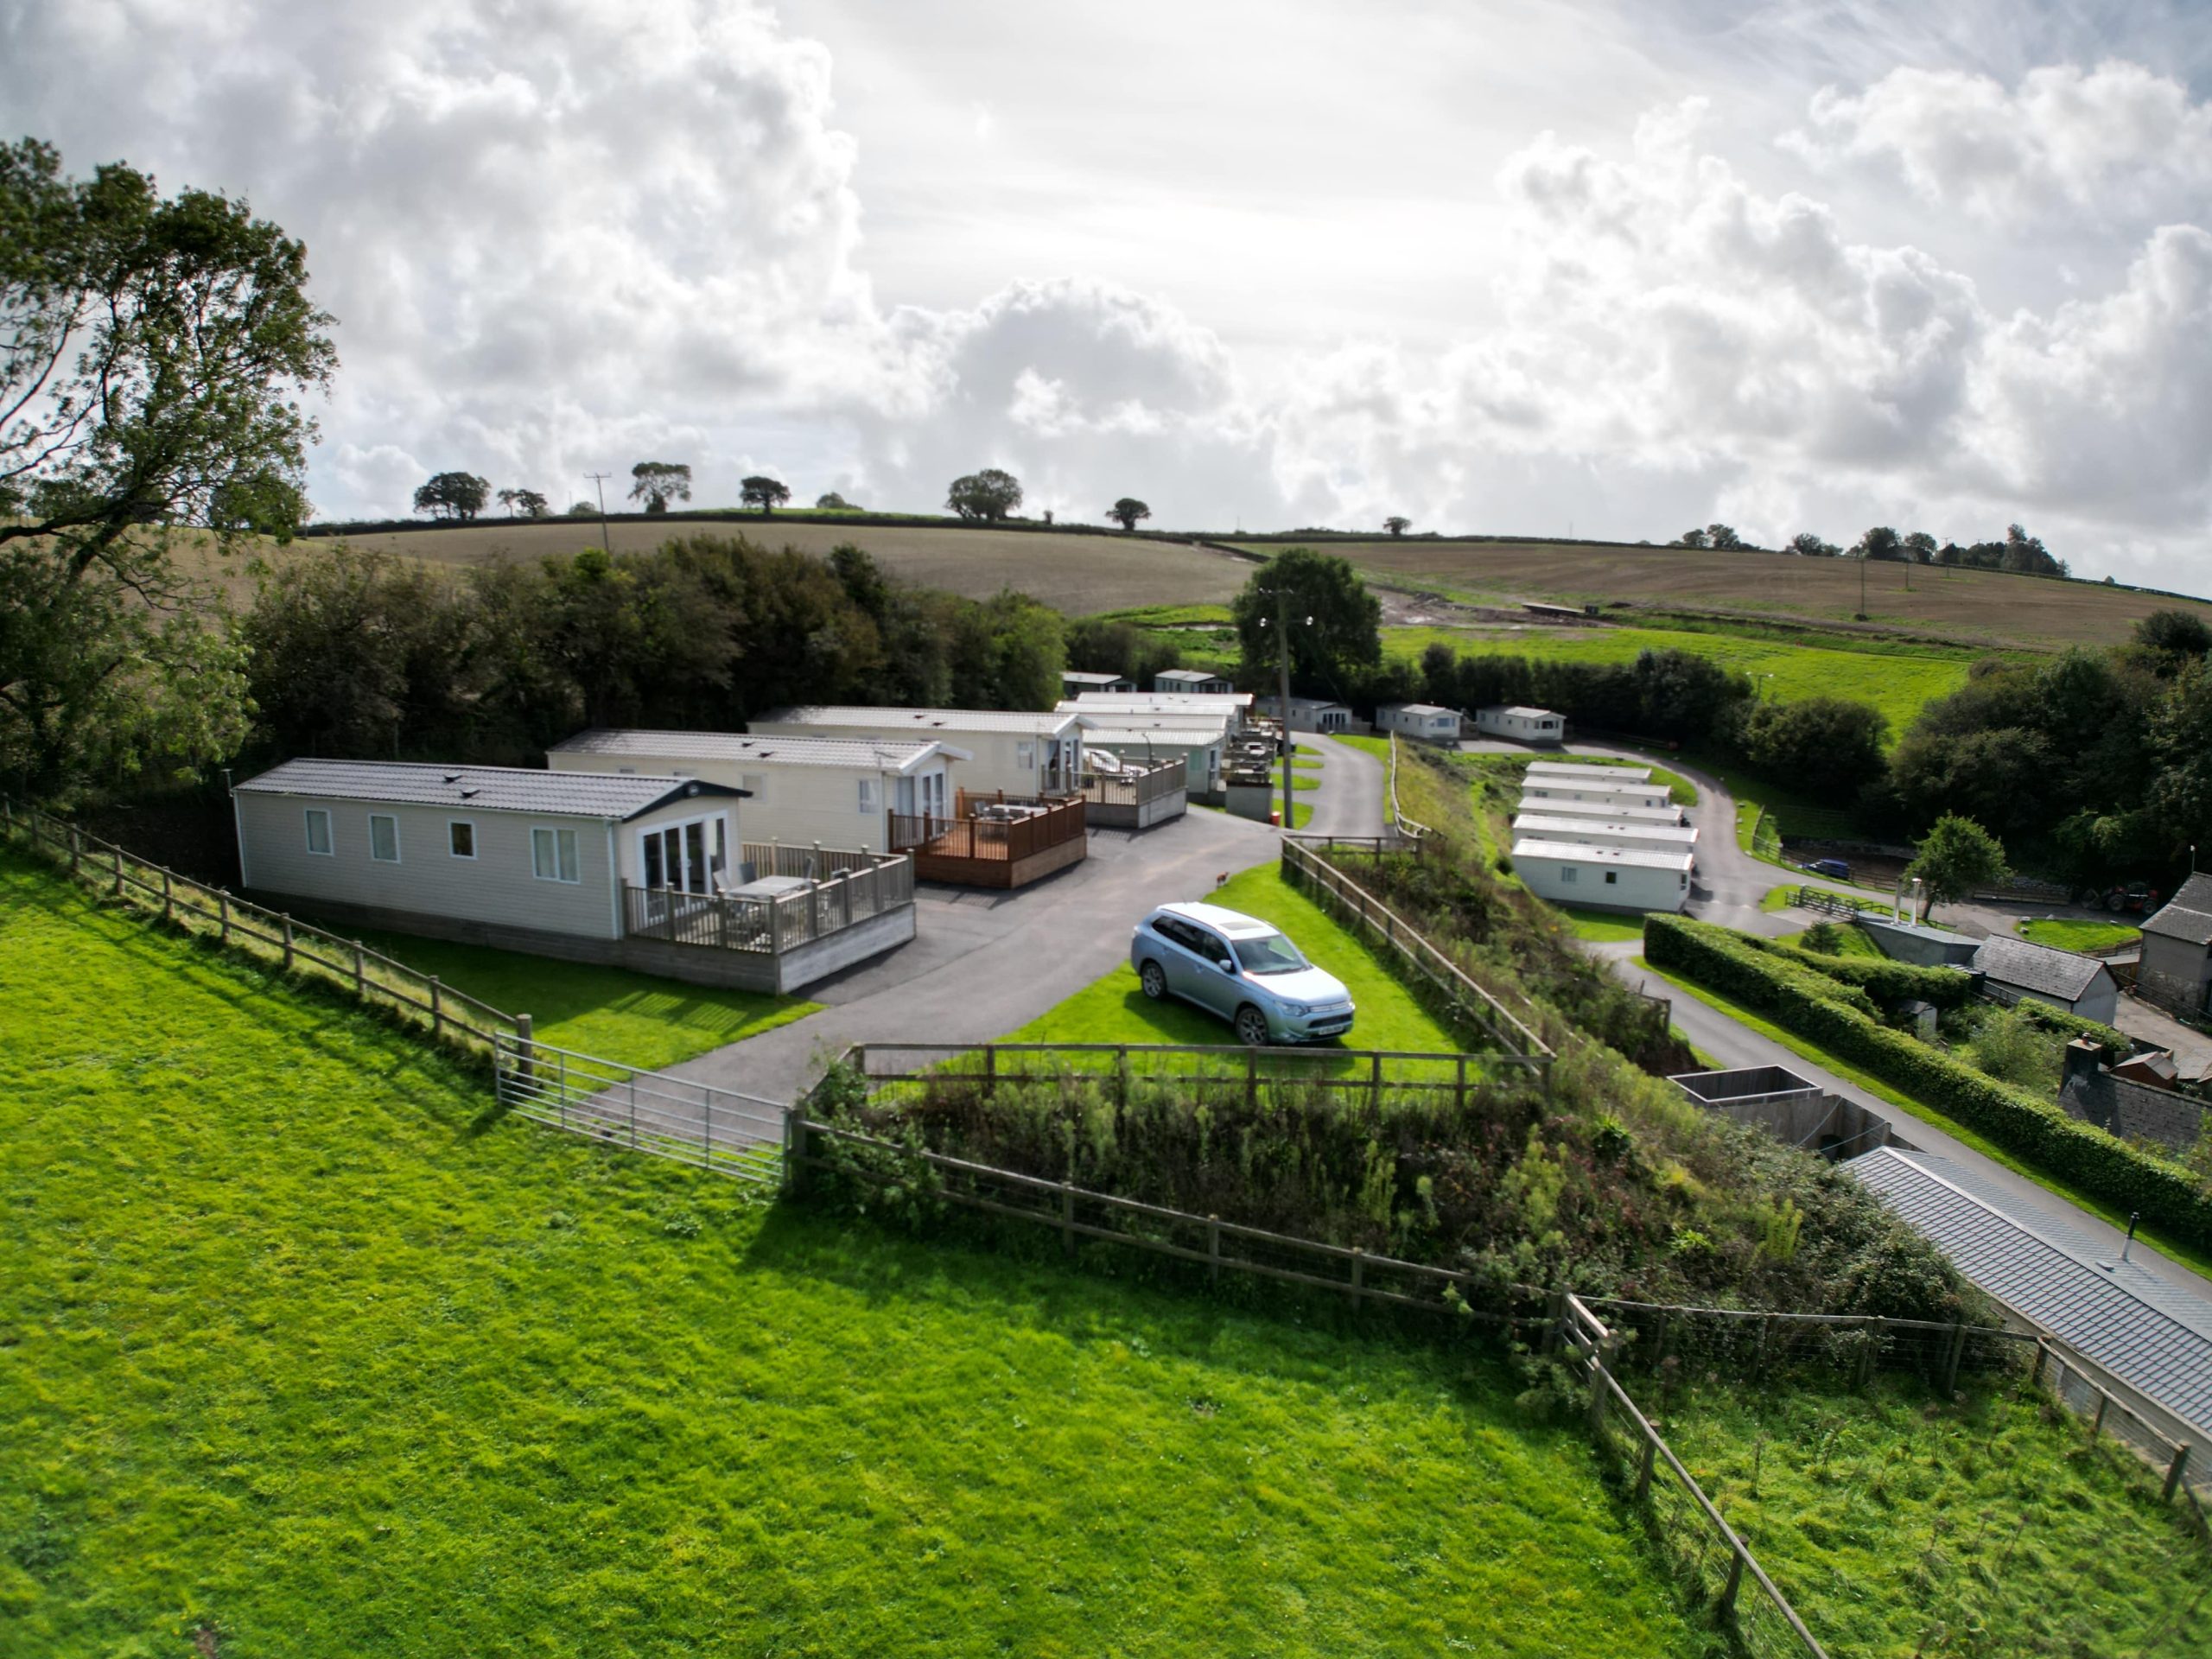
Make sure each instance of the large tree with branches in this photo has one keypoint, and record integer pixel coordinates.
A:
(153, 353)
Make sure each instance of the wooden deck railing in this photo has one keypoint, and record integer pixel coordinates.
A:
(869, 885)
(986, 841)
(1134, 785)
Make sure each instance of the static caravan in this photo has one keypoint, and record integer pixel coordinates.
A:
(1197, 744)
(1075, 682)
(1012, 753)
(1234, 707)
(1570, 769)
(838, 791)
(1516, 724)
(1605, 832)
(1609, 878)
(1307, 714)
(1428, 721)
(1608, 809)
(1536, 792)
(1192, 682)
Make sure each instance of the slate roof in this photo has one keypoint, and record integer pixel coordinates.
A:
(2150, 1335)
(925, 722)
(859, 754)
(1576, 852)
(2188, 915)
(2039, 968)
(481, 789)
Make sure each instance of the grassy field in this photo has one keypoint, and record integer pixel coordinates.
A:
(304, 1358)
(1980, 607)
(2065, 934)
(1601, 926)
(1899, 1528)
(1115, 1009)
(1897, 683)
(638, 1019)
(1079, 574)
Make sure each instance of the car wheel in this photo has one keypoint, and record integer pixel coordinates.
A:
(1252, 1027)
(1154, 978)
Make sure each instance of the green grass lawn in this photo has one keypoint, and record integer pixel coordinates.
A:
(1782, 896)
(302, 1354)
(2065, 934)
(1116, 1010)
(1849, 942)
(1601, 926)
(2197, 1261)
(638, 1019)
(1898, 1528)
(1898, 682)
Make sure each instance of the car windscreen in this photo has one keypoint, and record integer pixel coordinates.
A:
(1268, 953)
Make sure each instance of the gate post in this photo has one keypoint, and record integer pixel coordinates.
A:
(524, 1060)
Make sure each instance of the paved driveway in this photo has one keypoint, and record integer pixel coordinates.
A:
(983, 963)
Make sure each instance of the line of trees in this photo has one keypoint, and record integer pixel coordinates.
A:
(2018, 552)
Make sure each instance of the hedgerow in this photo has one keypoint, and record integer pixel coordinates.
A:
(2102, 1166)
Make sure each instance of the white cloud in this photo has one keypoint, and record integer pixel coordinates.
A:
(2115, 141)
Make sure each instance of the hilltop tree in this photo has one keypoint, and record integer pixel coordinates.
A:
(582, 510)
(1397, 524)
(1807, 545)
(656, 483)
(458, 496)
(990, 495)
(152, 356)
(1956, 857)
(527, 504)
(766, 494)
(1880, 542)
(1691, 538)
(1127, 511)
(1335, 623)
(1722, 536)
(833, 502)
(1920, 548)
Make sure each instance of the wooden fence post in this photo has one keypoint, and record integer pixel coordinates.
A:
(2174, 1469)
(2097, 1422)
(1213, 1249)
(360, 974)
(2035, 1376)
(168, 898)
(286, 920)
(223, 915)
(1951, 1359)
(76, 849)
(1121, 1075)
(1251, 1079)
(1459, 1086)
(990, 1069)
(437, 1012)
(118, 872)
(524, 1060)
(1735, 1583)
(1644, 1470)
(1374, 1086)
(795, 1149)
(1358, 1276)
(1067, 1217)
(1872, 1329)
(1597, 1390)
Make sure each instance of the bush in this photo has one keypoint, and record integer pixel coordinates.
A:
(2097, 1163)
(1884, 982)
(2063, 1023)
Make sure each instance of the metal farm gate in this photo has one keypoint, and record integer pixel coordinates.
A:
(652, 1112)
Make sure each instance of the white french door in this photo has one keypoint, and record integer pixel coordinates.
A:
(686, 857)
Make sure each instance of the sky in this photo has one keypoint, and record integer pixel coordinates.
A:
(1549, 268)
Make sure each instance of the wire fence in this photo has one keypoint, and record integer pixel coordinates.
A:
(651, 1112)
(149, 890)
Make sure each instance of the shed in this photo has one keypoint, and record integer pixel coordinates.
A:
(2153, 1338)
(1010, 752)
(2014, 968)
(2177, 963)
(1916, 943)
(1430, 722)
(1194, 681)
(1610, 807)
(1307, 714)
(1608, 878)
(1605, 832)
(839, 792)
(1075, 682)
(1518, 723)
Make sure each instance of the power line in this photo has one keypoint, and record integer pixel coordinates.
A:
(605, 536)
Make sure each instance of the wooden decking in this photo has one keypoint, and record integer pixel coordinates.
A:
(982, 851)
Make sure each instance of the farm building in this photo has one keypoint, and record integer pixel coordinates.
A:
(1024, 755)
(1609, 808)
(1603, 832)
(1307, 714)
(1918, 944)
(1517, 724)
(1191, 682)
(2014, 968)
(834, 791)
(1428, 722)
(1075, 682)
(1610, 877)
(2176, 966)
(1537, 790)
(644, 871)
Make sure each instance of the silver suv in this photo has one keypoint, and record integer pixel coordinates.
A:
(1243, 970)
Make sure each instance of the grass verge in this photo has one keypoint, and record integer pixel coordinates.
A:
(2196, 1261)
(2067, 934)
(1600, 927)
(304, 1357)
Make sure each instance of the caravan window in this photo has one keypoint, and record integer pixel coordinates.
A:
(553, 855)
(318, 831)
(383, 838)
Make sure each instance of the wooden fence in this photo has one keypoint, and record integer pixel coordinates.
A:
(1306, 867)
(991, 853)
(1405, 826)
(376, 979)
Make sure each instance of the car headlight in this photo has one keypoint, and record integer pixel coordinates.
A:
(1292, 1008)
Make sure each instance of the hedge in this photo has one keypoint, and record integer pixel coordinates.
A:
(2116, 1045)
(2038, 1131)
(1886, 981)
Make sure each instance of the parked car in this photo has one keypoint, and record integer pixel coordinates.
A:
(1834, 868)
(1241, 968)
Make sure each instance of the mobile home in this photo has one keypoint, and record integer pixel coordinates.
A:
(1605, 832)
(1192, 681)
(1428, 722)
(1307, 714)
(1609, 878)
(1609, 808)
(1539, 789)
(1518, 724)
(1024, 755)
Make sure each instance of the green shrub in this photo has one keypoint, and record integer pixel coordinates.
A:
(1886, 981)
(2099, 1164)
(2067, 1026)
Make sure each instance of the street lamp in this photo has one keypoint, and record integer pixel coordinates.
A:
(1282, 620)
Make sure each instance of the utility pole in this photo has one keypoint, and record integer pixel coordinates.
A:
(606, 536)
(1282, 657)
(1862, 581)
